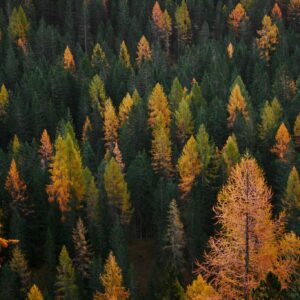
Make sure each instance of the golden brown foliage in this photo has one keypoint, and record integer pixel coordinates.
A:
(46, 149)
(235, 18)
(125, 108)
(69, 63)
(276, 12)
(283, 139)
(144, 52)
(230, 50)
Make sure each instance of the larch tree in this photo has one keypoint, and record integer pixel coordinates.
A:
(118, 156)
(34, 294)
(87, 129)
(97, 94)
(184, 121)
(283, 139)
(183, 23)
(117, 191)
(230, 50)
(112, 281)
(294, 14)
(46, 149)
(230, 154)
(83, 252)
(268, 38)
(276, 12)
(199, 289)
(125, 108)
(188, 166)
(65, 285)
(4, 99)
(236, 17)
(17, 189)
(158, 105)
(69, 63)
(237, 104)
(124, 56)
(110, 126)
(291, 201)
(19, 265)
(249, 243)
(297, 131)
(174, 241)
(99, 61)
(144, 52)
(18, 27)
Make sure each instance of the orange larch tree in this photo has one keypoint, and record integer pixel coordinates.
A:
(283, 140)
(236, 17)
(276, 12)
(69, 63)
(144, 52)
(46, 149)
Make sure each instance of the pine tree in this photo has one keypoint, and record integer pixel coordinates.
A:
(230, 153)
(189, 166)
(112, 282)
(291, 201)
(294, 14)
(124, 56)
(249, 243)
(99, 61)
(199, 289)
(19, 265)
(69, 63)
(110, 126)
(4, 98)
(65, 285)
(117, 191)
(175, 238)
(297, 131)
(18, 27)
(144, 52)
(283, 139)
(46, 149)
(237, 17)
(184, 121)
(97, 94)
(125, 108)
(83, 253)
(34, 294)
(183, 23)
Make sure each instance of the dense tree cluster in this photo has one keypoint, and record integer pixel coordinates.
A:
(149, 149)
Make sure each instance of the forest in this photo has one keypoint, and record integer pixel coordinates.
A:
(149, 150)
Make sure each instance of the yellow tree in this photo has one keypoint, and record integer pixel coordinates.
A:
(117, 191)
(230, 50)
(97, 93)
(46, 149)
(268, 38)
(189, 166)
(124, 55)
(112, 281)
(283, 139)
(125, 108)
(4, 97)
(110, 126)
(69, 63)
(15, 145)
(297, 131)
(183, 23)
(237, 104)
(249, 243)
(144, 52)
(236, 17)
(34, 294)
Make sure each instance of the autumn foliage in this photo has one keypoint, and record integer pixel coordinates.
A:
(236, 17)
(144, 52)
(69, 63)
(282, 142)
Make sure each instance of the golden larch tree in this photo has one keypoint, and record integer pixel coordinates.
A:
(236, 17)
(4, 97)
(69, 63)
(125, 108)
(112, 281)
(268, 38)
(15, 145)
(144, 52)
(297, 131)
(282, 144)
(249, 243)
(237, 103)
(110, 126)
(293, 14)
(118, 156)
(230, 50)
(189, 166)
(46, 149)
(34, 294)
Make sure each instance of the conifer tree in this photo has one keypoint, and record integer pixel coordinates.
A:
(65, 285)
(276, 12)
(249, 243)
(83, 252)
(230, 50)
(175, 238)
(34, 294)
(46, 149)
(117, 191)
(15, 145)
(183, 23)
(291, 201)
(184, 122)
(268, 39)
(236, 17)
(230, 153)
(19, 265)
(189, 166)
(118, 156)
(97, 93)
(176, 94)
(4, 98)
(112, 281)
(294, 14)
(125, 108)
(283, 139)
(69, 63)
(99, 61)
(110, 126)
(124, 56)
(87, 129)
(297, 131)
(19, 26)
(144, 52)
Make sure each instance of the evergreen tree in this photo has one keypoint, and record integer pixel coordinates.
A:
(183, 23)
